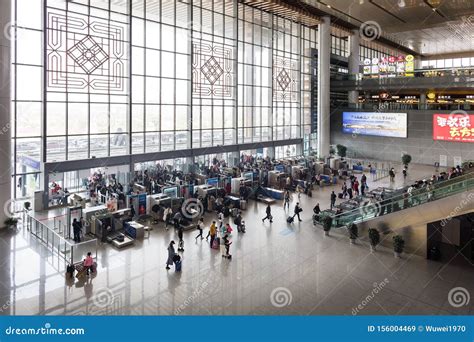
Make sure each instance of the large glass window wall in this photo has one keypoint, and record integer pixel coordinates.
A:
(100, 78)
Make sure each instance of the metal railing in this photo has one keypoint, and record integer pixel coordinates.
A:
(417, 197)
(70, 253)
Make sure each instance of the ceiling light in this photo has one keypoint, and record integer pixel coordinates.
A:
(401, 3)
(434, 9)
(361, 2)
(329, 6)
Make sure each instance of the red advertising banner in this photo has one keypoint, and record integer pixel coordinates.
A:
(456, 127)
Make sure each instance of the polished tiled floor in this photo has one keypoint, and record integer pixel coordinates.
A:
(276, 269)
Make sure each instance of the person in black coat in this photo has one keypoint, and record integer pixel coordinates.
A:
(76, 228)
(298, 210)
(333, 199)
(180, 237)
(269, 214)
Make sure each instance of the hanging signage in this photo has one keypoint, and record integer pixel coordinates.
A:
(453, 127)
(390, 66)
(409, 65)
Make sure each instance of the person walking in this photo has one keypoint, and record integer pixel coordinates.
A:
(167, 216)
(227, 244)
(171, 254)
(333, 199)
(238, 222)
(76, 228)
(391, 173)
(180, 237)
(220, 219)
(344, 190)
(88, 263)
(356, 187)
(212, 232)
(228, 229)
(269, 214)
(200, 228)
(349, 192)
(287, 200)
(297, 211)
(316, 211)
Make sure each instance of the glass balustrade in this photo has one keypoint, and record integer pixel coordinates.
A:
(61, 248)
(370, 210)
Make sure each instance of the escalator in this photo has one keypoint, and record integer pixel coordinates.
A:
(441, 199)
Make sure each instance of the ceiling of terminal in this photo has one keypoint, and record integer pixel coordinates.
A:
(429, 27)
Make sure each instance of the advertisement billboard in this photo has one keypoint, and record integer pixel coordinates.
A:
(453, 127)
(375, 123)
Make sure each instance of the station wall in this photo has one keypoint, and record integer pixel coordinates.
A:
(419, 143)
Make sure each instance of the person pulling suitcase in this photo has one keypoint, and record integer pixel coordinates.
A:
(269, 214)
(297, 212)
(227, 244)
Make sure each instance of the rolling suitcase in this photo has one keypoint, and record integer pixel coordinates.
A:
(243, 204)
(340, 195)
(177, 266)
(216, 243)
(290, 219)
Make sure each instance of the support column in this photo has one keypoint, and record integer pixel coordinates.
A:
(189, 167)
(234, 158)
(354, 61)
(324, 54)
(271, 152)
(5, 114)
(417, 62)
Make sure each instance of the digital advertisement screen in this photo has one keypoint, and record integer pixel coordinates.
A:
(375, 123)
(453, 127)
(171, 192)
(213, 181)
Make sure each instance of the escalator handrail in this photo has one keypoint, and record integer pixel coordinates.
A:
(445, 184)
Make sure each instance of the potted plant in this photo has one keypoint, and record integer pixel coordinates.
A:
(353, 232)
(11, 222)
(327, 224)
(341, 150)
(374, 237)
(398, 245)
(406, 159)
(27, 206)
